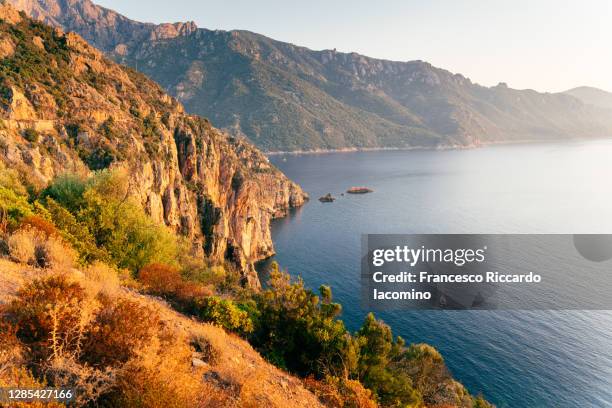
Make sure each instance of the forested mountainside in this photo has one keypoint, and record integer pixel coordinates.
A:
(287, 98)
(67, 108)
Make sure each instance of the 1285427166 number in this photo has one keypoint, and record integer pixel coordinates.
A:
(19, 394)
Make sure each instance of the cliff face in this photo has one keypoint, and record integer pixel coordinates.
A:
(286, 97)
(66, 108)
(91, 21)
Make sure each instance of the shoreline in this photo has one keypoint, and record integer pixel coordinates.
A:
(430, 148)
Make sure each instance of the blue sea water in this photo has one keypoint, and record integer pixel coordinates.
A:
(518, 359)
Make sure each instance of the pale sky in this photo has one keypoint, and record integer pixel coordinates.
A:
(547, 45)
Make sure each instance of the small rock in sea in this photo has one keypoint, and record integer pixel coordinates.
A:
(359, 190)
(327, 198)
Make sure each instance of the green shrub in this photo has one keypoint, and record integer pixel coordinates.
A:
(100, 157)
(131, 237)
(107, 128)
(10, 179)
(31, 135)
(76, 233)
(378, 352)
(67, 190)
(225, 313)
(14, 204)
(225, 278)
(298, 330)
(101, 206)
(13, 208)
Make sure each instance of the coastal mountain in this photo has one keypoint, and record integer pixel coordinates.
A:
(123, 224)
(66, 108)
(592, 96)
(289, 98)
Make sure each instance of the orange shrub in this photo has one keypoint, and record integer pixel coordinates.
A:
(45, 308)
(22, 378)
(120, 327)
(340, 392)
(39, 224)
(11, 349)
(160, 279)
(187, 291)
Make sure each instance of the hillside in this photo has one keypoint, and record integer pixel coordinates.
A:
(592, 96)
(196, 364)
(65, 108)
(285, 97)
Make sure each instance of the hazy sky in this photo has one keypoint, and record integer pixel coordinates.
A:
(548, 45)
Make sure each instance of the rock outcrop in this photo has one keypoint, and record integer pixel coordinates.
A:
(66, 108)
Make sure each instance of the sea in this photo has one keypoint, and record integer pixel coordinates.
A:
(515, 358)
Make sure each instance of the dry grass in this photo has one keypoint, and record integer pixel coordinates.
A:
(99, 278)
(183, 364)
(34, 247)
(341, 393)
(161, 375)
(13, 276)
(236, 372)
(88, 382)
(22, 246)
(53, 253)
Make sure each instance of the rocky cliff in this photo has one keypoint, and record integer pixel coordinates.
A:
(66, 108)
(285, 97)
(109, 28)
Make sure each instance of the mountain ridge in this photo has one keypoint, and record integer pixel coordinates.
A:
(591, 95)
(66, 108)
(285, 97)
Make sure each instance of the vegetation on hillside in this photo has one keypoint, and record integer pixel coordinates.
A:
(102, 342)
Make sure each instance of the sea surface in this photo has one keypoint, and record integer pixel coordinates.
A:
(518, 359)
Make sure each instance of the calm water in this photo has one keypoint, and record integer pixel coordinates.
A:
(516, 359)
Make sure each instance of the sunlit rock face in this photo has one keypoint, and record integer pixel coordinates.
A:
(81, 112)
